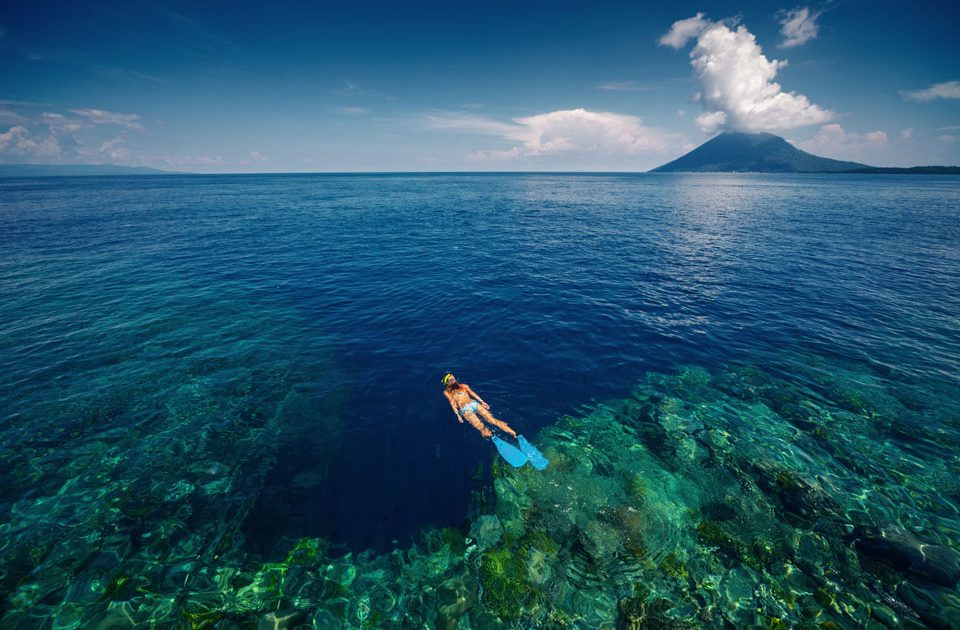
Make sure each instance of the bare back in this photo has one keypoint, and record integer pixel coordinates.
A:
(460, 395)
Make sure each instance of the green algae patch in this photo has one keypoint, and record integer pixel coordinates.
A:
(637, 488)
(503, 578)
(119, 587)
(454, 539)
(537, 539)
(305, 552)
(201, 613)
(674, 567)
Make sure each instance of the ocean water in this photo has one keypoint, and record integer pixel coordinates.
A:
(220, 401)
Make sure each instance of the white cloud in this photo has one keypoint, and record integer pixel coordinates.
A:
(18, 141)
(119, 154)
(798, 26)
(947, 138)
(948, 89)
(833, 141)
(60, 124)
(624, 86)
(12, 136)
(253, 159)
(496, 154)
(10, 117)
(738, 91)
(111, 144)
(353, 111)
(68, 135)
(906, 134)
(683, 31)
(559, 132)
(583, 130)
(103, 117)
(711, 122)
(468, 123)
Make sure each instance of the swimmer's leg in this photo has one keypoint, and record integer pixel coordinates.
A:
(486, 415)
(474, 421)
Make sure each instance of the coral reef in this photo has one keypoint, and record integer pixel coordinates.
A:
(728, 497)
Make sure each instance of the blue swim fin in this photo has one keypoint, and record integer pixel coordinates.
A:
(537, 460)
(512, 454)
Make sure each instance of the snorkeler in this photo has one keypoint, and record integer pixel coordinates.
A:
(467, 405)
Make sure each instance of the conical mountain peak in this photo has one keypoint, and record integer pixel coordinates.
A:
(739, 152)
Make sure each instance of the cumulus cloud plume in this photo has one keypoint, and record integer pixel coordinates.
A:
(683, 31)
(564, 131)
(948, 89)
(798, 26)
(738, 91)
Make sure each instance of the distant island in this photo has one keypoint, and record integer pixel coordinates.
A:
(735, 152)
(62, 170)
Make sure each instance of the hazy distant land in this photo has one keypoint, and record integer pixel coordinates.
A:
(66, 170)
(731, 152)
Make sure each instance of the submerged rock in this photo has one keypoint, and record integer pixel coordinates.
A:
(538, 567)
(939, 608)
(487, 531)
(455, 598)
(797, 494)
(901, 550)
(601, 541)
(636, 613)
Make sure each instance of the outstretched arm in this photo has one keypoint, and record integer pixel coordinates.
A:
(477, 396)
(453, 405)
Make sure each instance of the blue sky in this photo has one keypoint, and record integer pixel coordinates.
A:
(241, 87)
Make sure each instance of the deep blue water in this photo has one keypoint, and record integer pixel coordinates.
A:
(124, 299)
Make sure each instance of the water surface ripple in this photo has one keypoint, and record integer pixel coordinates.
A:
(341, 300)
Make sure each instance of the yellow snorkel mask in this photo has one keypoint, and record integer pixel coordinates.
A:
(445, 378)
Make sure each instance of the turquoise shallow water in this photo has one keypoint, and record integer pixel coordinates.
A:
(220, 401)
